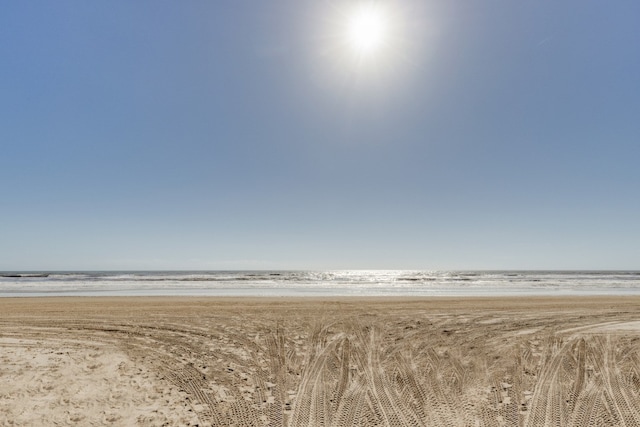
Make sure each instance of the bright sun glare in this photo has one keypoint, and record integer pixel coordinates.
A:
(367, 29)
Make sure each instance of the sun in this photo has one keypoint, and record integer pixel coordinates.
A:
(367, 29)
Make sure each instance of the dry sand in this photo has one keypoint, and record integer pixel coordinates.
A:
(320, 362)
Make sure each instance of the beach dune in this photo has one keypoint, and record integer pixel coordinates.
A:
(153, 361)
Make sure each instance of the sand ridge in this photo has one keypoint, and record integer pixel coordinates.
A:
(332, 362)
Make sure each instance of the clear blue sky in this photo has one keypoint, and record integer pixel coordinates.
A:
(490, 134)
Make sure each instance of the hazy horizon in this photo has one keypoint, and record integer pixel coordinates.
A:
(490, 135)
(53, 272)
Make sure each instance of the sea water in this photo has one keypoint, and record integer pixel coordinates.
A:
(319, 283)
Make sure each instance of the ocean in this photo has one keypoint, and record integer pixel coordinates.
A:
(318, 283)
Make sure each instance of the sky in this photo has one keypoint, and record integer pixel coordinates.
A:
(486, 134)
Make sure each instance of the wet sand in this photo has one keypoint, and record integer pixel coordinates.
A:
(335, 362)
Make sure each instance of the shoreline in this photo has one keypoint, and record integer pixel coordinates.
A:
(340, 283)
(436, 300)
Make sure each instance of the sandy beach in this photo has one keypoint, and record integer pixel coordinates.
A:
(320, 362)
